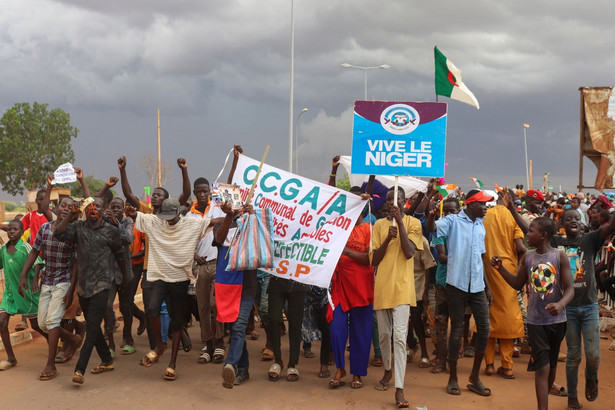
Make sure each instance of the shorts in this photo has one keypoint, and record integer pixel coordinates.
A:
(51, 306)
(32, 316)
(175, 294)
(545, 341)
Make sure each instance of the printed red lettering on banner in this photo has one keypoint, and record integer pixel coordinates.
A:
(282, 267)
(302, 270)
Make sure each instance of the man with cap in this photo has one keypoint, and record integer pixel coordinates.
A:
(465, 283)
(534, 201)
(169, 268)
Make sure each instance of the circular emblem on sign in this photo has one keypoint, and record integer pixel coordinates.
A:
(399, 119)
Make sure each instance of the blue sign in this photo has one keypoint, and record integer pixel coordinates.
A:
(399, 138)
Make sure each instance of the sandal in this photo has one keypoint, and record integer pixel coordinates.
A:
(47, 375)
(557, 390)
(479, 389)
(185, 340)
(254, 335)
(506, 373)
(128, 349)
(204, 358)
(142, 327)
(78, 378)
(292, 374)
(335, 383)
(324, 374)
(21, 326)
(356, 384)
(309, 354)
(267, 354)
(150, 358)
(274, 372)
(424, 363)
(377, 361)
(60, 357)
(453, 389)
(218, 355)
(5, 365)
(101, 368)
(591, 389)
(402, 404)
(169, 374)
(489, 370)
(382, 386)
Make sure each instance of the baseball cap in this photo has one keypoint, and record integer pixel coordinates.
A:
(532, 193)
(476, 195)
(169, 209)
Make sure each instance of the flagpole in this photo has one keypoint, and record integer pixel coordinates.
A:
(527, 171)
(159, 167)
(395, 191)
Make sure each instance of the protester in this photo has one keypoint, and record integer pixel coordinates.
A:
(547, 273)
(58, 281)
(582, 312)
(13, 255)
(395, 241)
(504, 238)
(465, 283)
(169, 268)
(98, 248)
(352, 305)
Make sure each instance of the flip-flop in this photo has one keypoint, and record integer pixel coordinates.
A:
(489, 370)
(479, 389)
(591, 394)
(557, 390)
(502, 372)
(169, 374)
(47, 375)
(309, 354)
(5, 365)
(335, 383)
(60, 357)
(424, 363)
(453, 389)
(101, 368)
(382, 386)
(356, 384)
(324, 374)
(150, 358)
(402, 404)
(78, 378)
(128, 349)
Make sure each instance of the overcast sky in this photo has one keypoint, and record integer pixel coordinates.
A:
(219, 73)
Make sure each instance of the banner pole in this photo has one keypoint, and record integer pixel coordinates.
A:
(249, 197)
(395, 191)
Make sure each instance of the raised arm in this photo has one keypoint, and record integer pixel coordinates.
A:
(236, 151)
(108, 185)
(84, 186)
(221, 233)
(45, 202)
(185, 195)
(126, 190)
(335, 163)
(610, 228)
(506, 198)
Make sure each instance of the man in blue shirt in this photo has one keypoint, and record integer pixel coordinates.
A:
(465, 283)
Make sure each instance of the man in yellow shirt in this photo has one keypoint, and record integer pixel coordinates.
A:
(395, 240)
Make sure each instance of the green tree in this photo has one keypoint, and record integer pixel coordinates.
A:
(34, 141)
(343, 183)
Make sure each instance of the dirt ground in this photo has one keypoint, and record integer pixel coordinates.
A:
(131, 386)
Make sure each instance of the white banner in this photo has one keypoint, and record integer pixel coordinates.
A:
(312, 221)
(64, 174)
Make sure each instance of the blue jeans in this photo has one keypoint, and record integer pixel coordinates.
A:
(582, 320)
(237, 351)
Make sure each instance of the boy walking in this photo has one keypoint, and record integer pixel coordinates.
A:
(547, 272)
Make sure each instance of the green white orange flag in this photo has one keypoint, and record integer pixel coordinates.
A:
(478, 182)
(448, 80)
(446, 190)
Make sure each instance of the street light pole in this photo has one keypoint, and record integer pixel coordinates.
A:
(292, 72)
(527, 172)
(365, 69)
(303, 111)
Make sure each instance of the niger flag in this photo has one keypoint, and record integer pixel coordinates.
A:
(448, 80)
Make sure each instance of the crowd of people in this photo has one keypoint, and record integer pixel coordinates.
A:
(410, 267)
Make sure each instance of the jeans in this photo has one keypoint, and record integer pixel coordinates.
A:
(457, 300)
(582, 321)
(237, 351)
(94, 309)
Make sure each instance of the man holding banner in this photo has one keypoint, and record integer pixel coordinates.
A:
(395, 240)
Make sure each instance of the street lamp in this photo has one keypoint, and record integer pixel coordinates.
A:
(303, 111)
(527, 171)
(365, 69)
(292, 72)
